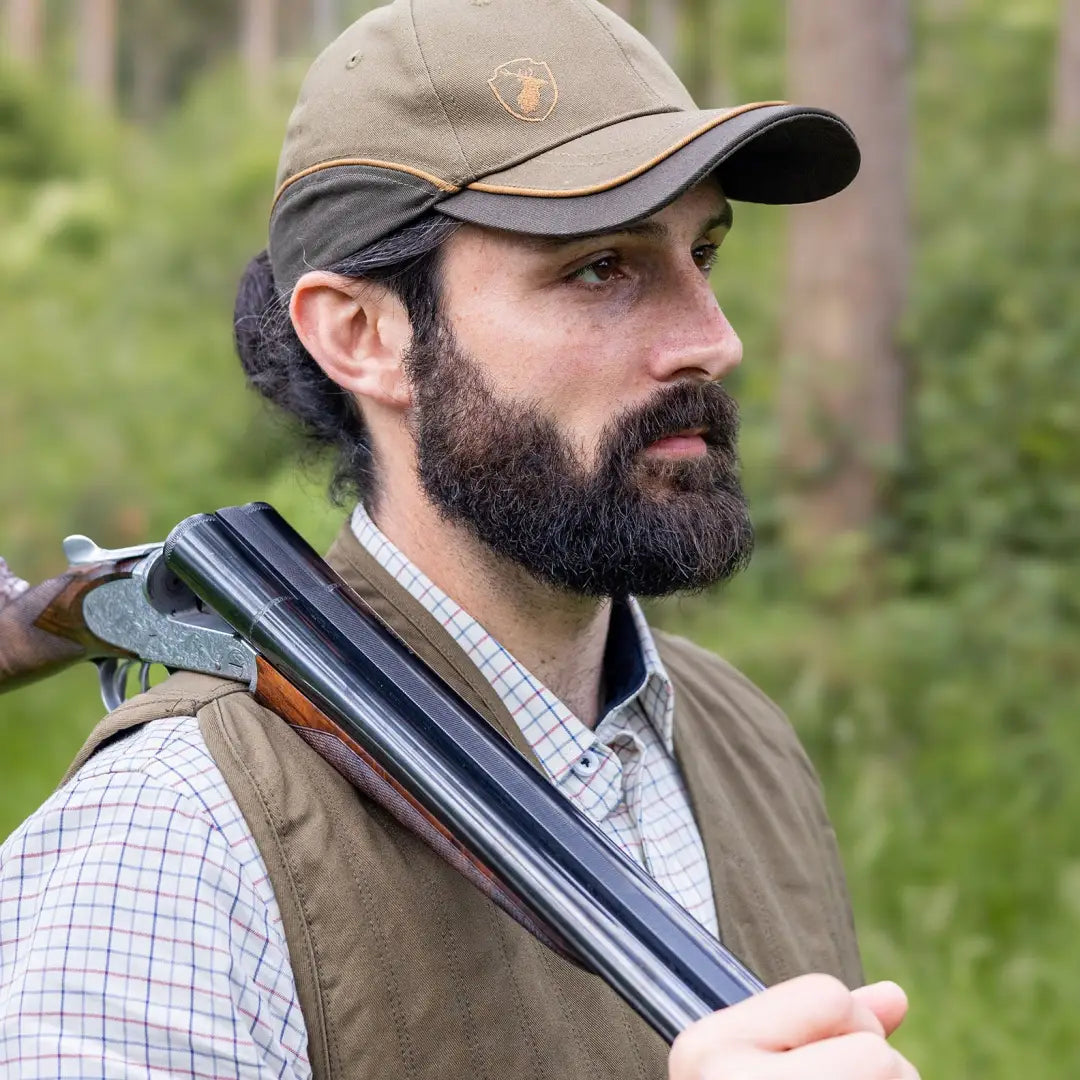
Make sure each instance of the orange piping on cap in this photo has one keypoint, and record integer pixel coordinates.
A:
(443, 185)
(502, 189)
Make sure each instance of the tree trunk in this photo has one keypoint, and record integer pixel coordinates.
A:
(705, 59)
(97, 50)
(258, 41)
(842, 387)
(23, 31)
(293, 31)
(151, 29)
(662, 28)
(1065, 129)
(149, 71)
(325, 22)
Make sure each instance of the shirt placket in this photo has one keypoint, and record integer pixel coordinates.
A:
(594, 782)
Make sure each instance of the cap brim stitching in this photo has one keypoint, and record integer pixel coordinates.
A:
(593, 189)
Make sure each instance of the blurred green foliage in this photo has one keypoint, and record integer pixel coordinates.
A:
(938, 709)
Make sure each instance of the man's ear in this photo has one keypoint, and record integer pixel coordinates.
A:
(357, 332)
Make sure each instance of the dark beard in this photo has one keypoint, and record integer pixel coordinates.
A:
(630, 526)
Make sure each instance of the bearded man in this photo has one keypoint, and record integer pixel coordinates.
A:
(487, 286)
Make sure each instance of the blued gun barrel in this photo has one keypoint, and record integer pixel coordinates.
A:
(263, 578)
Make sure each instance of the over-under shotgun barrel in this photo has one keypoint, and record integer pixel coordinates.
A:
(262, 577)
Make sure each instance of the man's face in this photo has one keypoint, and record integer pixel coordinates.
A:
(568, 410)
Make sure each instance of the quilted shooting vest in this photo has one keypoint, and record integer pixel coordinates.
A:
(405, 970)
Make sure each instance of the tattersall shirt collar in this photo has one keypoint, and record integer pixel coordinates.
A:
(632, 666)
(624, 775)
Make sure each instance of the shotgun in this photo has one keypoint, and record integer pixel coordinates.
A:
(240, 594)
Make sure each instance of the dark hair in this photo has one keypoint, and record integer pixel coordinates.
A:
(277, 365)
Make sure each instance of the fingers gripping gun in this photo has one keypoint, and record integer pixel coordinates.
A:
(239, 594)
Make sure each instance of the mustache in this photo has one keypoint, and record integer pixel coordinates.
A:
(680, 407)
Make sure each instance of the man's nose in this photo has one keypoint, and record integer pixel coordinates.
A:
(698, 341)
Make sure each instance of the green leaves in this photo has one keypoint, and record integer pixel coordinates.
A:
(941, 710)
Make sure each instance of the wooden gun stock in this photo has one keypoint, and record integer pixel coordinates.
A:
(42, 629)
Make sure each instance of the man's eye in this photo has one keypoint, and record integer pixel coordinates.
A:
(598, 272)
(705, 256)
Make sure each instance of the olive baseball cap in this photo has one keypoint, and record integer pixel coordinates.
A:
(548, 117)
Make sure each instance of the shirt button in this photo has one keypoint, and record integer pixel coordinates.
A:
(587, 765)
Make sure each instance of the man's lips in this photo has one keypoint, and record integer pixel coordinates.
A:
(687, 443)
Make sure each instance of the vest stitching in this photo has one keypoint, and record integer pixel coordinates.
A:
(336, 1056)
(500, 930)
(311, 952)
(401, 1027)
(462, 996)
(735, 875)
(631, 1038)
(548, 958)
(717, 875)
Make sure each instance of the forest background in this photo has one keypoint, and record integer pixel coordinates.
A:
(910, 395)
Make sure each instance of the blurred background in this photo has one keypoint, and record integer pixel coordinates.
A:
(911, 402)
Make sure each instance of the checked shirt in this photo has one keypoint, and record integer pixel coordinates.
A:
(139, 933)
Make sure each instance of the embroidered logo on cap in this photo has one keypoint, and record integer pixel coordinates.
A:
(525, 88)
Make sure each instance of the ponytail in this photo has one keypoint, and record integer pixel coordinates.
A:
(278, 366)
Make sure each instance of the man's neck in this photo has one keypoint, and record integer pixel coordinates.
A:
(558, 637)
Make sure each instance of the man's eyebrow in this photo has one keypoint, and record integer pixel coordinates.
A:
(653, 230)
(722, 219)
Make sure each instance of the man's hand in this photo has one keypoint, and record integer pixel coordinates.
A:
(805, 1029)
